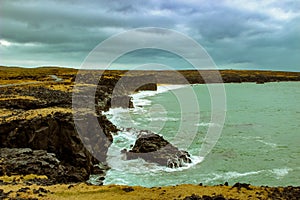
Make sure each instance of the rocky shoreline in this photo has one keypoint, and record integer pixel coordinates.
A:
(37, 131)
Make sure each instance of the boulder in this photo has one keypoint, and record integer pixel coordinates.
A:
(154, 148)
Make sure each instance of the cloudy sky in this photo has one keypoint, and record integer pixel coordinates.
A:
(237, 34)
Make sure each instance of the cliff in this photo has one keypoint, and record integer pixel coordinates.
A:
(39, 118)
(37, 123)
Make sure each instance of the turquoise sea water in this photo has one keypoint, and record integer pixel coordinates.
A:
(259, 142)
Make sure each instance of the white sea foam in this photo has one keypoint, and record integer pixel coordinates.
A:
(117, 161)
(116, 115)
(215, 177)
(138, 98)
(280, 172)
(137, 167)
(164, 119)
(268, 143)
(230, 175)
(205, 124)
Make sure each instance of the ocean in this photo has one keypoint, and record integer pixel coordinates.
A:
(259, 143)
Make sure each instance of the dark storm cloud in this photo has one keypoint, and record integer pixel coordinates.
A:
(235, 33)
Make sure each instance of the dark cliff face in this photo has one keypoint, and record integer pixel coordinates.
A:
(41, 119)
(119, 89)
(55, 133)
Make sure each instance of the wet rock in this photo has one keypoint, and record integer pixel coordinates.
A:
(154, 148)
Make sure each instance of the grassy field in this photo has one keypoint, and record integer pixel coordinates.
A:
(83, 191)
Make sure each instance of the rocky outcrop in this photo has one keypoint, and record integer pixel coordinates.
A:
(154, 148)
(129, 84)
(39, 123)
(119, 89)
(148, 87)
(25, 161)
(39, 118)
(121, 102)
(55, 133)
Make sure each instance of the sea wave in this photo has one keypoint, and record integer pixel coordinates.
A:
(117, 115)
(139, 100)
(277, 173)
(127, 136)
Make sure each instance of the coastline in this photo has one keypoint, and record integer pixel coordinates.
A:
(62, 191)
(129, 134)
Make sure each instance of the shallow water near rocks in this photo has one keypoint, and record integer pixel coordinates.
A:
(259, 142)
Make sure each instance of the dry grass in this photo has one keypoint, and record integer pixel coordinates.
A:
(83, 191)
(59, 86)
(21, 178)
(13, 97)
(30, 114)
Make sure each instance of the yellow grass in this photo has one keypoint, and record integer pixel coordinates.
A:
(30, 114)
(14, 97)
(21, 178)
(83, 191)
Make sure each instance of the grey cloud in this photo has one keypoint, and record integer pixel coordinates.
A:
(73, 27)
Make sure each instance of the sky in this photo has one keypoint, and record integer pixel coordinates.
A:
(237, 34)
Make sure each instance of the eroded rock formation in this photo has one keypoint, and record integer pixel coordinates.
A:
(154, 148)
(40, 118)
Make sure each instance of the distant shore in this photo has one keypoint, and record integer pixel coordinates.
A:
(11, 75)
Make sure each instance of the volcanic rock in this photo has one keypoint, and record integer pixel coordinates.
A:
(154, 148)
(25, 161)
